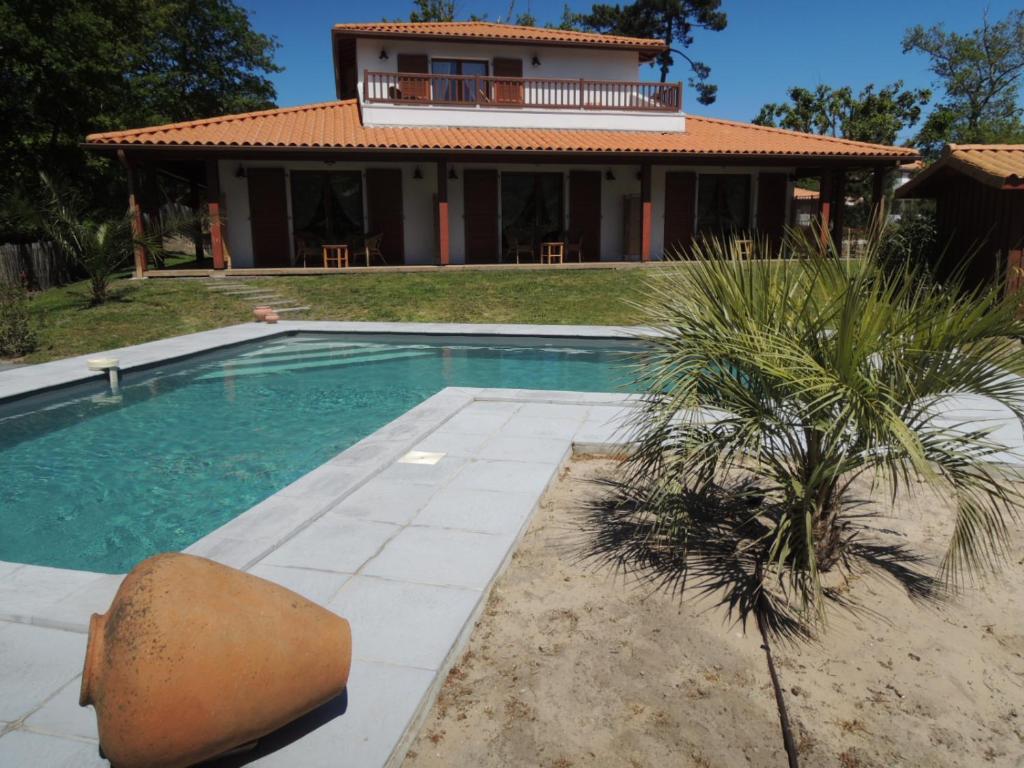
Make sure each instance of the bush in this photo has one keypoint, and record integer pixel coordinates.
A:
(911, 241)
(17, 336)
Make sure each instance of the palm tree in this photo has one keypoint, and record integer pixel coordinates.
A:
(770, 388)
(100, 245)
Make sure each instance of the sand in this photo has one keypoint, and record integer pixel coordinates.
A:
(569, 666)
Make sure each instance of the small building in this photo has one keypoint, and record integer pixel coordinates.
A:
(979, 209)
(476, 143)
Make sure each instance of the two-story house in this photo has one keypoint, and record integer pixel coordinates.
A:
(475, 142)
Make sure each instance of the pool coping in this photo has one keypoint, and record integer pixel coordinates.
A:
(29, 380)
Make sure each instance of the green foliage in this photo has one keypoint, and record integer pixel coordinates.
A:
(771, 390)
(673, 21)
(72, 67)
(979, 73)
(17, 336)
(913, 240)
(433, 10)
(876, 116)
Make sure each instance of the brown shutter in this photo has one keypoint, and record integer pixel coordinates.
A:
(509, 92)
(480, 211)
(680, 202)
(384, 211)
(268, 217)
(414, 87)
(771, 207)
(585, 212)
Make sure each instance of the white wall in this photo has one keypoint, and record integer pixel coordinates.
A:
(418, 202)
(567, 63)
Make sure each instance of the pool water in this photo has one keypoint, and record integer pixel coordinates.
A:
(96, 482)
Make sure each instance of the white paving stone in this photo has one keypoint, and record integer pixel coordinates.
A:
(35, 663)
(381, 702)
(422, 474)
(454, 443)
(516, 448)
(318, 586)
(538, 426)
(28, 591)
(333, 543)
(385, 502)
(445, 557)
(21, 749)
(73, 612)
(62, 716)
(500, 512)
(397, 622)
(491, 475)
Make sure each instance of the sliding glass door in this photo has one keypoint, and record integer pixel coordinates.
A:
(532, 209)
(327, 207)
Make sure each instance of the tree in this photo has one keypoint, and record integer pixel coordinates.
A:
(433, 10)
(876, 116)
(670, 20)
(72, 67)
(770, 389)
(979, 73)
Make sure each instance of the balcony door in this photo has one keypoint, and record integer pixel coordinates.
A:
(456, 81)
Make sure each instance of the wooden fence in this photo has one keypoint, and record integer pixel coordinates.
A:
(40, 264)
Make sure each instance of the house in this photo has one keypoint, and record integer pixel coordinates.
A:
(979, 209)
(475, 143)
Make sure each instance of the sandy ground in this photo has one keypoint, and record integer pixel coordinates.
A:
(569, 666)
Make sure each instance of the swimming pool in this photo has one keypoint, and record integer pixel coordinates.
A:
(95, 482)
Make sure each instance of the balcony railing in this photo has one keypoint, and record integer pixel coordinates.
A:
(538, 92)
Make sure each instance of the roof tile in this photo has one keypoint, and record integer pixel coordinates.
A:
(337, 125)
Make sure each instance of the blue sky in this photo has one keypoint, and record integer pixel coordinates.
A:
(768, 46)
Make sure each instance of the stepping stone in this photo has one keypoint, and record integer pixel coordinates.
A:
(291, 309)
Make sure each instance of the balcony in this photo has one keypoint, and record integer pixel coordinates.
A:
(542, 93)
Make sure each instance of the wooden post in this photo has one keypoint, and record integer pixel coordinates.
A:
(197, 230)
(135, 211)
(213, 205)
(443, 234)
(645, 203)
(825, 205)
(878, 179)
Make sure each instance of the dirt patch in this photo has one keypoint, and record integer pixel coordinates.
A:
(571, 667)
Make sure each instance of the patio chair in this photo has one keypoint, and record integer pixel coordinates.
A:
(515, 249)
(370, 249)
(305, 251)
(575, 248)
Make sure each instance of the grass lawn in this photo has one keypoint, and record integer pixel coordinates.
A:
(153, 309)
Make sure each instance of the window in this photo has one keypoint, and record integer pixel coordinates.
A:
(460, 84)
(723, 204)
(327, 207)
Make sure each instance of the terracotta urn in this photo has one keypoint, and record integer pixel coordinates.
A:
(261, 312)
(194, 659)
(271, 317)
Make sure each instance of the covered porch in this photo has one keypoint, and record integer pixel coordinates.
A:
(276, 215)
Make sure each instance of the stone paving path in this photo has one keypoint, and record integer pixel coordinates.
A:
(256, 296)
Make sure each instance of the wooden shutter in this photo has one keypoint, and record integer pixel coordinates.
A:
(585, 212)
(680, 202)
(414, 87)
(384, 214)
(508, 92)
(480, 211)
(268, 217)
(771, 207)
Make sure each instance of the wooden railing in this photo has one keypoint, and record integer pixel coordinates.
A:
(540, 92)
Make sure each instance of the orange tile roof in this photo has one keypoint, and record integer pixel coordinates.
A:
(799, 193)
(996, 165)
(487, 31)
(337, 125)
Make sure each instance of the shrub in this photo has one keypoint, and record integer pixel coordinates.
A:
(17, 336)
